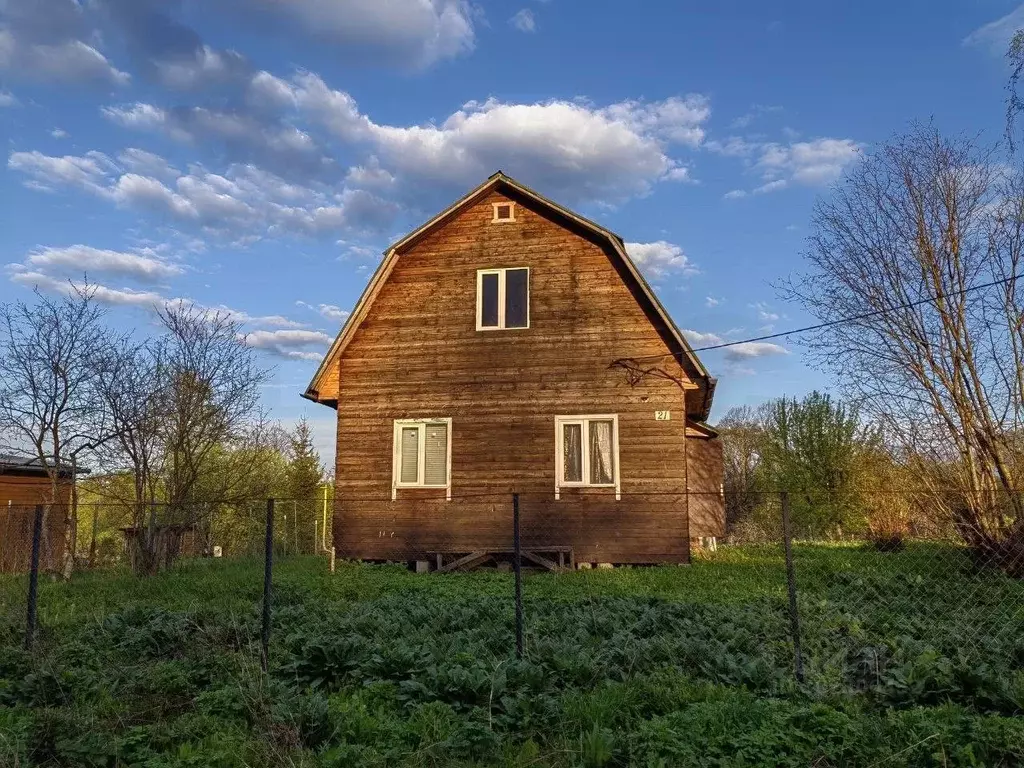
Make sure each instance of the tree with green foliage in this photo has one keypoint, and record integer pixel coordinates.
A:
(305, 472)
(811, 449)
(305, 477)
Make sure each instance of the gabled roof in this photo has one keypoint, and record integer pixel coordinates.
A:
(16, 464)
(499, 180)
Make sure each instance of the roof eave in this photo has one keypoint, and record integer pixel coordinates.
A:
(351, 323)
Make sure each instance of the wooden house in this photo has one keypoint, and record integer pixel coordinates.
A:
(511, 345)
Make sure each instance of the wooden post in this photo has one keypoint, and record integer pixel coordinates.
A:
(33, 578)
(323, 534)
(268, 569)
(794, 614)
(517, 562)
(295, 527)
(92, 540)
(332, 559)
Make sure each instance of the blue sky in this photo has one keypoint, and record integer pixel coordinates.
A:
(257, 155)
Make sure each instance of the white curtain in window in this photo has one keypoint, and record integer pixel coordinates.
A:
(572, 453)
(601, 457)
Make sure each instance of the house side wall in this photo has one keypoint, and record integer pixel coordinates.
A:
(418, 354)
(19, 494)
(706, 499)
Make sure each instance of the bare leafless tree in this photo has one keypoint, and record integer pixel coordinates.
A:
(907, 242)
(742, 434)
(132, 388)
(189, 425)
(52, 353)
(210, 398)
(1014, 102)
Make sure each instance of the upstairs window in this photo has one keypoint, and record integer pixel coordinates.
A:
(502, 298)
(504, 212)
(422, 454)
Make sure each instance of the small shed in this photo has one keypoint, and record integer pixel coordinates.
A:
(173, 540)
(24, 484)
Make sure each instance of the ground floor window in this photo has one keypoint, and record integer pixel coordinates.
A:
(422, 454)
(587, 452)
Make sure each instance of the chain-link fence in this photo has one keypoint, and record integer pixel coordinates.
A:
(490, 602)
(107, 532)
(16, 528)
(921, 581)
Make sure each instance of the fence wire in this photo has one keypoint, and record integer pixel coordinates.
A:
(460, 599)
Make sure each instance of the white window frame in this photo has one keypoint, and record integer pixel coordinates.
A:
(511, 212)
(500, 272)
(396, 455)
(584, 421)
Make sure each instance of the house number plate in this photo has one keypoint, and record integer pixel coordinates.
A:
(662, 415)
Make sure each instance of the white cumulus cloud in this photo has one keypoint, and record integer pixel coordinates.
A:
(413, 32)
(328, 311)
(147, 164)
(243, 201)
(572, 149)
(764, 312)
(523, 20)
(47, 172)
(699, 339)
(659, 258)
(811, 163)
(291, 344)
(66, 61)
(144, 266)
(996, 35)
(750, 350)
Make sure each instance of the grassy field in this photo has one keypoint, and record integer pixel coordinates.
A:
(911, 659)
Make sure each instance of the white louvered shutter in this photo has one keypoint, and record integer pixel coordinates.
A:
(410, 447)
(436, 455)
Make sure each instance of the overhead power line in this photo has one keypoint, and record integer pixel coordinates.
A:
(842, 320)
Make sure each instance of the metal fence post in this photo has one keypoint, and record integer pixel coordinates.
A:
(517, 564)
(794, 615)
(268, 568)
(33, 578)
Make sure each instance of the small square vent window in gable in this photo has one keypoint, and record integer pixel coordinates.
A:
(504, 212)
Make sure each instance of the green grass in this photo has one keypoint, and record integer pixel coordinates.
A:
(911, 658)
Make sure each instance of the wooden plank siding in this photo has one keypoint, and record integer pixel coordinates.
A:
(706, 498)
(18, 496)
(417, 354)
